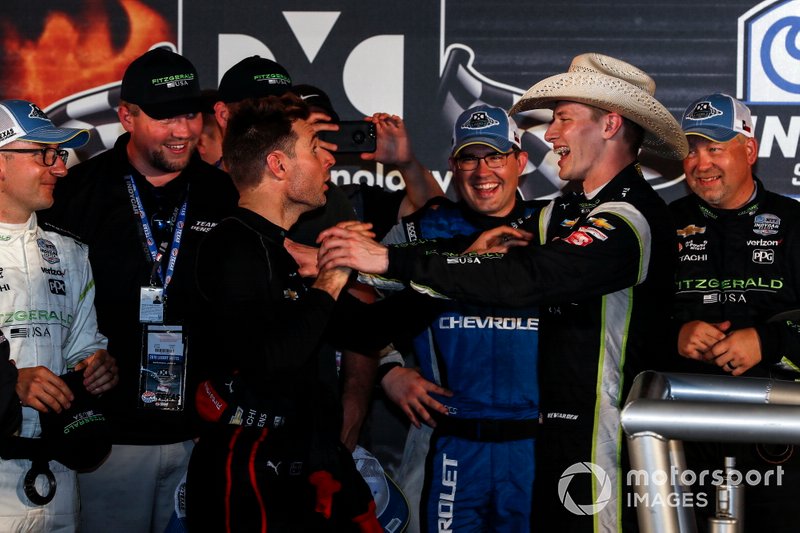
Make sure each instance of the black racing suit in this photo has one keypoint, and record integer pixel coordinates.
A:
(604, 283)
(258, 320)
(743, 265)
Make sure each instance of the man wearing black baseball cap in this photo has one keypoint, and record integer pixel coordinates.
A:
(163, 84)
(252, 77)
(142, 207)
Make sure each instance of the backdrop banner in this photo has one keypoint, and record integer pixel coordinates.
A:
(423, 60)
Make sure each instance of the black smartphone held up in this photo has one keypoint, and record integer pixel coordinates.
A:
(354, 136)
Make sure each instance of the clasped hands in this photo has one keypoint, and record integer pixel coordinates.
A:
(734, 351)
(38, 387)
(351, 245)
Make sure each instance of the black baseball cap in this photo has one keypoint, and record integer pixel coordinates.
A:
(77, 437)
(316, 97)
(164, 84)
(254, 77)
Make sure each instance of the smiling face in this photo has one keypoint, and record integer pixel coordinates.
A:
(26, 183)
(489, 191)
(159, 147)
(576, 133)
(721, 172)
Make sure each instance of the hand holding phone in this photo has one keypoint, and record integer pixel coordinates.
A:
(353, 136)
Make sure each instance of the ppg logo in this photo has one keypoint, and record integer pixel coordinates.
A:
(57, 286)
(769, 68)
(763, 257)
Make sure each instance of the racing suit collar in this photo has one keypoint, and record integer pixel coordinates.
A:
(747, 209)
(486, 222)
(260, 224)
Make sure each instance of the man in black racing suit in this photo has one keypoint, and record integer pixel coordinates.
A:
(603, 280)
(737, 292)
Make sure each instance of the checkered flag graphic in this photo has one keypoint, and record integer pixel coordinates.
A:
(94, 110)
(462, 86)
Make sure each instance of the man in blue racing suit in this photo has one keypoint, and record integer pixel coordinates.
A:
(478, 461)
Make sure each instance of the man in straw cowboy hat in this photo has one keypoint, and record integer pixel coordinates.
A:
(603, 278)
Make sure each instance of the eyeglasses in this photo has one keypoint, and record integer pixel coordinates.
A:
(471, 162)
(48, 154)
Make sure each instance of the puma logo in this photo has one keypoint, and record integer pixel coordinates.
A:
(274, 466)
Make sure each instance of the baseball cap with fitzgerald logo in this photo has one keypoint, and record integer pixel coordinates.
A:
(164, 84)
(253, 77)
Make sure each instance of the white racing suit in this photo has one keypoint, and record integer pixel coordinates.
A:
(47, 314)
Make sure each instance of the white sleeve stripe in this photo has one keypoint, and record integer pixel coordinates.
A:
(638, 223)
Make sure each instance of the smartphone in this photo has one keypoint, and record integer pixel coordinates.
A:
(354, 136)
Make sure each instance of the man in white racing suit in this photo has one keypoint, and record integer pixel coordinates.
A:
(46, 309)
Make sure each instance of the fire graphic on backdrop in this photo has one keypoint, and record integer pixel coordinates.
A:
(74, 52)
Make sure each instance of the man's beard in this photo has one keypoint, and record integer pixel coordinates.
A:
(159, 161)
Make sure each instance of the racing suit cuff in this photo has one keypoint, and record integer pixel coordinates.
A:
(384, 369)
(399, 260)
(769, 335)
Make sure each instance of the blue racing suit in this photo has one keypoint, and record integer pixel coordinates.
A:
(479, 469)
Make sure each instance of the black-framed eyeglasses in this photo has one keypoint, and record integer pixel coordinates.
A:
(471, 162)
(48, 154)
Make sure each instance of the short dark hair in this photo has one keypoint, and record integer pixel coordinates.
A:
(256, 127)
(633, 134)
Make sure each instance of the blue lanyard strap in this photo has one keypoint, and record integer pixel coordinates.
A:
(157, 254)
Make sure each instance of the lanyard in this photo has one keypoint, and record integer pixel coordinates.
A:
(157, 254)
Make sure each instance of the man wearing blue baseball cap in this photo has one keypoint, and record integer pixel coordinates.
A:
(47, 296)
(483, 431)
(733, 230)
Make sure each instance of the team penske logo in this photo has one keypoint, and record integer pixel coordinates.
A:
(690, 230)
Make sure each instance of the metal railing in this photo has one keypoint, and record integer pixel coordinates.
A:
(664, 409)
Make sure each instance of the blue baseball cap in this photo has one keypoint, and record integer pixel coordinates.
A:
(718, 117)
(21, 120)
(486, 125)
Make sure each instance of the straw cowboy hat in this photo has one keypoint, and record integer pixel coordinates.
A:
(610, 84)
